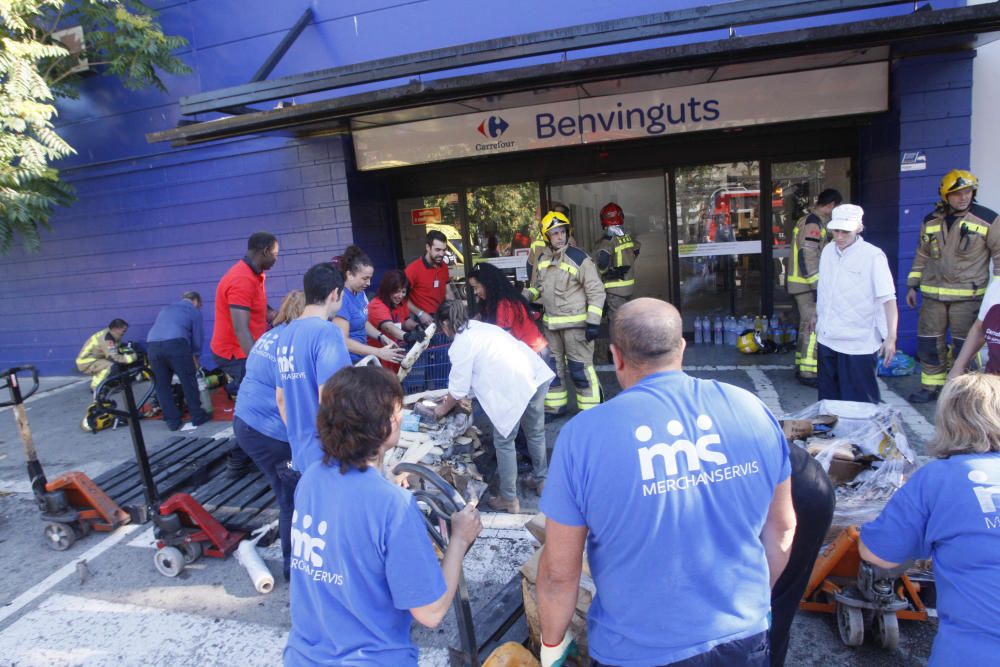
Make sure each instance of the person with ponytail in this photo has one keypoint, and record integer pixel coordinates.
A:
(352, 319)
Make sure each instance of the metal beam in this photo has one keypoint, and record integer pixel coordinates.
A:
(650, 26)
(931, 30)
(283, 46)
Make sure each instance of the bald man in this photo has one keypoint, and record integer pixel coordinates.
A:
(680, 489)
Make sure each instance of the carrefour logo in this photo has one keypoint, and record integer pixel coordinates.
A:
(493, 127)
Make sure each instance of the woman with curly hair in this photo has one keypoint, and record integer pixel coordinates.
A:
(389, 313)
(363, 566)
(500, 304)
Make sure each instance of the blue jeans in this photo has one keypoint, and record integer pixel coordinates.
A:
(753, 651)
(271, 455)
(173, 357)
(533, 423)
(847, 377)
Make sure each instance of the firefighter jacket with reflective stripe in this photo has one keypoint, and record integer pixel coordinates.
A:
(808, 240)
(953, 264)
(567, 284)
(101, 345)
(619, 272)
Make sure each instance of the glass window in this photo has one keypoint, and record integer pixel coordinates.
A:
(419, 215)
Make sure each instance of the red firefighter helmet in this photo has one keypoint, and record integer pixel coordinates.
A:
(612, 215)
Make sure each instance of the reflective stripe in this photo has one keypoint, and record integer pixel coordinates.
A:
(544, 264)
(564, 319)
(935, 380)
(622, 248)
(810, 356)
(535, 293)
(949, 291)
(595, 310)
(804, 281)
(794, 276)
(932, 229)
(568, 268)
(914, 274)
(619, 283)
(86, 360)
(977, 228)
(587, 402)
(996, 277)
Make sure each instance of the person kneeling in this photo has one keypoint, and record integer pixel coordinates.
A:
(362, 563)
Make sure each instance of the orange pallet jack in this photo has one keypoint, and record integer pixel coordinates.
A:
(71, 505)
(861, 594)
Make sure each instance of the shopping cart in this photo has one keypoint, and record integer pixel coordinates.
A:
(431, 369)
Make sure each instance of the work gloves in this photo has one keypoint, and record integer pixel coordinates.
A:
(555, 656)
(593, 331)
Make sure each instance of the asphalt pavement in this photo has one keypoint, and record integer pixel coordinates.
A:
(102, 603)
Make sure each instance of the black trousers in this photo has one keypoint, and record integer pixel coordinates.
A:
(235, 369)
(173, 357)
(813, 498)
(847, 377)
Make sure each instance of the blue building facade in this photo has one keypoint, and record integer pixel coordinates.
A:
(153, 221)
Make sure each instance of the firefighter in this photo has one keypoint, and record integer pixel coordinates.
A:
(569, 288)
(538, 245)
(100, 353)
(615, 255)
(808, 239)
(951, 270)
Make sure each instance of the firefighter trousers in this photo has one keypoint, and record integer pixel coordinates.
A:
(805, 350)
(612, 302)
(572, 360)
(936, 319)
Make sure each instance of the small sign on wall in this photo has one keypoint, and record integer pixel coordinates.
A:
(426, 216)
(913, 161)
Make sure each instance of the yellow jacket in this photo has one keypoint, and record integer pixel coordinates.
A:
(101, 345)
(808, 240)
(568, 286)
(623, 253)
(953, 264)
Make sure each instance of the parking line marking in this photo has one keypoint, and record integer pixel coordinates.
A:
(911, 417)
(47, 584)
(50, 392)
(765, 390)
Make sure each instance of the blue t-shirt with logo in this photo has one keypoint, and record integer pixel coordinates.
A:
(309, 351)
(255, 403)
(354, 309)
(361, 559)
(950, 510)
(673, 479)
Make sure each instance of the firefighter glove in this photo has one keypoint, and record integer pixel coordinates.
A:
(414, 336)
(593, 331)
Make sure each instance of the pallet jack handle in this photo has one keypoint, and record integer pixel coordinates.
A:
(17, 399)
(132, 416)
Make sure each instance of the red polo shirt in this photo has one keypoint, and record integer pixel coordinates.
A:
(428, 284)
(242, 288)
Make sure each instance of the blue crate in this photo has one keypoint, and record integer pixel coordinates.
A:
(432, 368)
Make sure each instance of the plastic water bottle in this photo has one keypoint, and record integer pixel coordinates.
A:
(718, 330)
(759, 324)
(792, 334)
(731, 333)
(698, 333)
(773, 327)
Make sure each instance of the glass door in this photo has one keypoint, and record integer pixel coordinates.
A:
(718, 240)
(643, 199)
(441, 212)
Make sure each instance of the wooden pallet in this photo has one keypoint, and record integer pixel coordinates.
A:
(181, 462)
(239, 504)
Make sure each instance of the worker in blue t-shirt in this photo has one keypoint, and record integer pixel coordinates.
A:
(257, 425)
(363, 566)
(949, 511)
(309, 350)
(680, 489)
(352, 318)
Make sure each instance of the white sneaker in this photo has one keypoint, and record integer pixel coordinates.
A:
(188, 427)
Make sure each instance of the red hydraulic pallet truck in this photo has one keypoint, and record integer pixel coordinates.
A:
(862, 594)
(72, 505)
(184, 530)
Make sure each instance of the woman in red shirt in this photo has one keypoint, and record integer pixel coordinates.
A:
(502, 305)
(389, 313)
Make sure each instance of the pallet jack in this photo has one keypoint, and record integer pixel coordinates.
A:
(184, 530)
(71, 505)
(442, 500)
(861, 594)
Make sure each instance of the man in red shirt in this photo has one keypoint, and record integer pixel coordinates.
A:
(428, 276)
(241, 308)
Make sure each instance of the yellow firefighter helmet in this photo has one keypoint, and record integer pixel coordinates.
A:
(749, 342)
(955, 180)
(554, 220)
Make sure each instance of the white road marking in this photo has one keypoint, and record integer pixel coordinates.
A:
(47, 584)
(911, 417)
(765, 390)
(73, 631)
(49, 392)
(21, 485)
